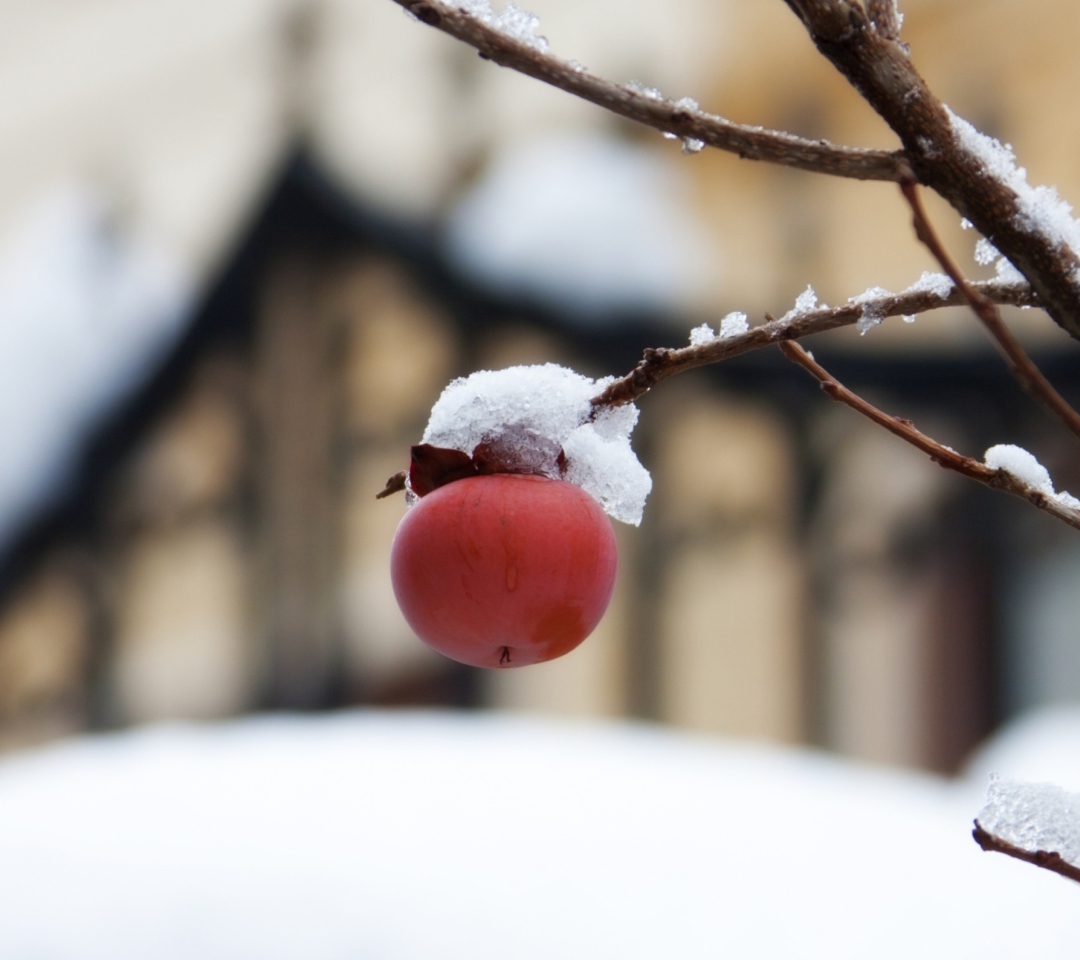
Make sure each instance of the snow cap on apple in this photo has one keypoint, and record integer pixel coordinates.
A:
(539, 420)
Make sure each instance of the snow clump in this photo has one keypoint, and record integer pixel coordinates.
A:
(514, 22)
(936, 283)
(540, 420)
(985, 252)
(733, 325)
(804, 303)
(1007, 273)
(702, 334)
(1021, 464)
(1033, 817)
(1024, 466)
(872, 311)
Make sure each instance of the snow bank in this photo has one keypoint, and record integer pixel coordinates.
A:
(399, 836)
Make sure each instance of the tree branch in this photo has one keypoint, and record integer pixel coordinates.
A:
(660, 363)
(944, 456)
(944, 157)
(682, 119)
(1040, 858)
(885, 17)
(1020, 364)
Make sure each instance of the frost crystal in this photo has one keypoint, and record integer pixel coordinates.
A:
(649, 93)
(804, 303)
(985, 252)
(691, 145)
(734, 324)
(1042, 211)
(1007, 273)
(872, 312)
(908, 317)
(935, 283)
(514, 22)
(530, 415)
(966, 224)
(1033, 817)
(702, 334)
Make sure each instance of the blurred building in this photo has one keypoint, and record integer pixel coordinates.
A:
(243, 246)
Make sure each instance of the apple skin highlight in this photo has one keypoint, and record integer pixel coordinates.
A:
(504, 570)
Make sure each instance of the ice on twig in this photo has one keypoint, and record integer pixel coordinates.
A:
(872, 311)
(1023, 465)
(804, 303)
(1042, 211)
(540, 420)
(734, 324)
(649, 93)
(702, 334)
(966, 224)
(514, 22)
(936, 283)
(691, 145)
(1033, 816)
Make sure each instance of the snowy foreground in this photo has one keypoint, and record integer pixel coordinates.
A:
(394, 836)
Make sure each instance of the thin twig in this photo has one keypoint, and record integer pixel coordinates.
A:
(944, 456)
(1040, 858)
(1020, 364)
(749, 142)
(394, 484)
(660, 363)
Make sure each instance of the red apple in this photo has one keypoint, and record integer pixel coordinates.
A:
(504, 570)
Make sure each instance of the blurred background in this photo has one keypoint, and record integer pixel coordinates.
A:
(245, 244)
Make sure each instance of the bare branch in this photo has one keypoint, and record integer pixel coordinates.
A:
(689, 123)
(660, 363)
(1040, 858)
(878, 66)
(1020, 364)
(944, 456)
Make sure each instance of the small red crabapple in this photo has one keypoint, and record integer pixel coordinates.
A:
(504, 570)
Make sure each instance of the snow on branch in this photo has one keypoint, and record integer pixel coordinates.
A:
(1006, 468)
(1031, 226)
(1038, 823)
(1020, 364)
(509, 40)
(930, 292)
